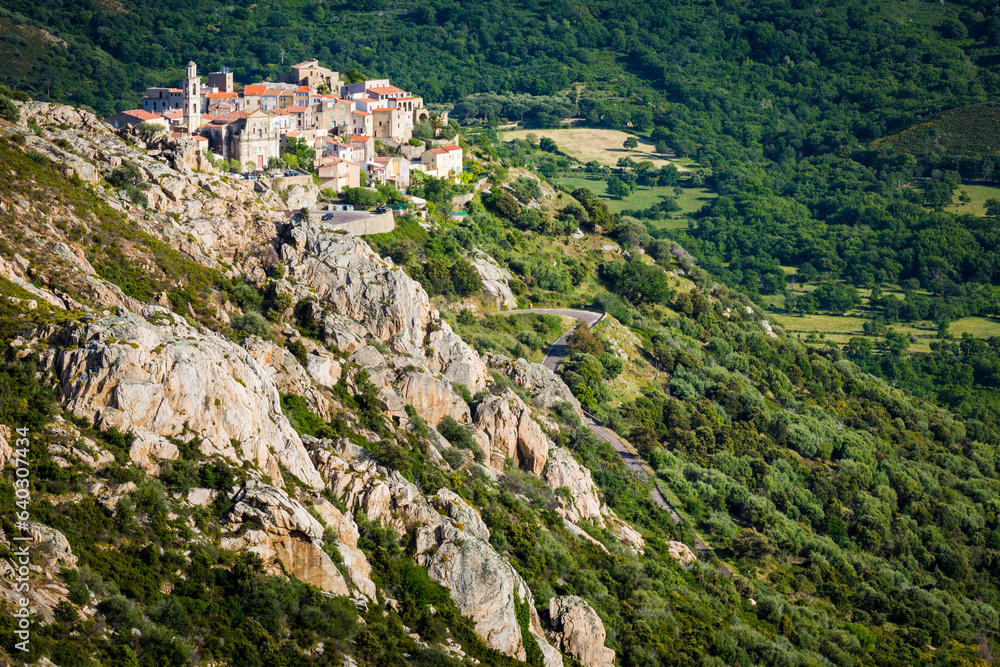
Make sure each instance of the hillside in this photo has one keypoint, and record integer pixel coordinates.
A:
(257, 442)
(967, 131)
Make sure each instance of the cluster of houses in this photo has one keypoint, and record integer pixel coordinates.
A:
(340, 120)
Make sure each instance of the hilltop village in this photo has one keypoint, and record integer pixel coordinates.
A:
(360, 132)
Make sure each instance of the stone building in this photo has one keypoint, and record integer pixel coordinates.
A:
(247, 136)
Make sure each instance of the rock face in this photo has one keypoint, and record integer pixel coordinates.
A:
(496, 286)
(585, 500)
(451, 541)
(167, 379)
(512, 432)
(290, 377)
(346, 530)
(433, 399)
(580, 631)
(289, 536)
(370, 296)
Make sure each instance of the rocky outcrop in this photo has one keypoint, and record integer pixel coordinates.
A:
(681, 552)
(511, 432)
(51, 545)
(433, 399)
(162, 378)
(287, 536)
(451, 541)
(344, 273)
(585, 502)
(496, 287)
(546, 388)
(355, 288)
(579, 631)
(6, 446)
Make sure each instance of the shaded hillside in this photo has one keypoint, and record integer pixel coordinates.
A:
(972, 131)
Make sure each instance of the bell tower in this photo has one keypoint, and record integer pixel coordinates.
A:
(192, 98)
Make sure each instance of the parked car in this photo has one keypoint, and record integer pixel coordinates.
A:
(381, 209)
(328, 216)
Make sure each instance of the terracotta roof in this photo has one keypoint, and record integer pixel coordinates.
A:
(439, 151)
(255, 90)
(306, 63)
(452, 147)
(302, 89)
(278, 112)
(144, 115)
(200, 138)
(174, 90)
(383, 159)
(274, 92)
(230, 118)
(207, 117)
(298, 109)
(293, 135)
(361, 113)
(172, 114)
(404, 99)
(386, 90)
(359, 137)
(219, 96)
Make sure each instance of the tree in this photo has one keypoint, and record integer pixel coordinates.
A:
(465, 278)
(361, 198)
(548, 145)
(752, 546)
(617, 188)
(631, 143)
(662, 147)
(582, 339)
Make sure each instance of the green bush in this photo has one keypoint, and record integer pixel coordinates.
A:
(251, 324)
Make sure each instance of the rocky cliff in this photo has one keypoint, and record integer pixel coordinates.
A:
(288, 443)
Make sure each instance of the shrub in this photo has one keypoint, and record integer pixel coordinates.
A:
(251, 324)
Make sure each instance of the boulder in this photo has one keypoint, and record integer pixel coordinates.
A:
(288, 375)
(355, 561)
(681, 552)
(496, 288)
(512, 432)
(579, 631)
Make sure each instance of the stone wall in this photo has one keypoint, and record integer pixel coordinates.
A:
(378, 223)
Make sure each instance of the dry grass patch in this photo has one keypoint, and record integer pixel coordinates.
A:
(604, 146)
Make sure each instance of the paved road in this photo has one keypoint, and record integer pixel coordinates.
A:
(559, 349)
(556, 353)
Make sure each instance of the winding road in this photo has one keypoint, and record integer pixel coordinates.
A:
(554, 356)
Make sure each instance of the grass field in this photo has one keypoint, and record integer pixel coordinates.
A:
(981, 327)
(604, 146)
(690, 200)
(979, 194)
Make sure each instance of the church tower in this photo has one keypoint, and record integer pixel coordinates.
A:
(192, 98)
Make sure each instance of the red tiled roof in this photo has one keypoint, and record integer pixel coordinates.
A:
(172, 114)
(219, 96)
(144, 115)
(298, 109)
(361, 113)
(359, 137)
(174, 90)
(386, 90)
(383, 159)
(452, 147)
(302, 89)
(439, 151)
(255, 90)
